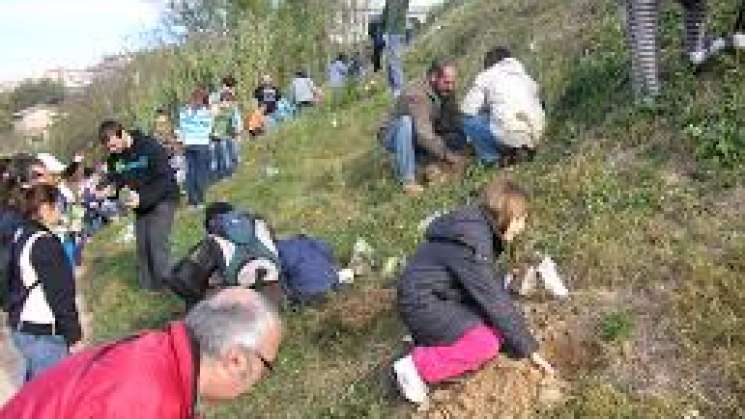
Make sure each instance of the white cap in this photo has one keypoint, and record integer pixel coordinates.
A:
(51, 163)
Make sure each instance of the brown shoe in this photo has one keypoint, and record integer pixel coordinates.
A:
(413, 189)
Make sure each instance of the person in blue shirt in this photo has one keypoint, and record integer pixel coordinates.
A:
(195, 126)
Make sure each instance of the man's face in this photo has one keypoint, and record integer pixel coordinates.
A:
(238, 370)
(114, 144)
(444, 83)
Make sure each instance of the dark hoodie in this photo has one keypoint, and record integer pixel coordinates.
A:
(450, 285)
(144, 168)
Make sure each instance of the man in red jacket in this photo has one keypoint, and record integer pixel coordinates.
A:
(218, 352)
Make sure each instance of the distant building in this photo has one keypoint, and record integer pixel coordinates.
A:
(70, 78)
(354, 17)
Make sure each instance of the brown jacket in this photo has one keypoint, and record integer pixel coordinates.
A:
(420, 102)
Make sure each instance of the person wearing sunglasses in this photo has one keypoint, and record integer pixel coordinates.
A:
(223, 348)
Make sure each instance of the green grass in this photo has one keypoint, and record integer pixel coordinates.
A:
(643, 218)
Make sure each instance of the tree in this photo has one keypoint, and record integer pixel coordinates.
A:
(6, 113)
(213, 15)
(33, 92)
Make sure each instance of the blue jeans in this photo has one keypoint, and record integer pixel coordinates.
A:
(197, 172)
(232, 151)
(39, 352)
(485, 143)
(400, 141)
(394, 50)
(218, 160)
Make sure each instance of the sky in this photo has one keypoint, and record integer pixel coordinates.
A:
(36, 35)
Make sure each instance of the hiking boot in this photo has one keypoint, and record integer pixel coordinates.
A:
(711, 48)
(413, 188)
(410, 383)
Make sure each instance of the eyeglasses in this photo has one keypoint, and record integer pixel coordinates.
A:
(269, 365)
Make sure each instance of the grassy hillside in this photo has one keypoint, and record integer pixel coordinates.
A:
(641, 206)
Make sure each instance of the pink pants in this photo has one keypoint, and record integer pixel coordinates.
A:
(469, 353)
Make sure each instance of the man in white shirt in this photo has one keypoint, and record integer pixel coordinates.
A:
(503, 115)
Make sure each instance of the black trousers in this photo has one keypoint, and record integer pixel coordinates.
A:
(377, 56)
(153, 233)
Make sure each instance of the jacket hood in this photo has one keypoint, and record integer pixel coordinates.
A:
(510, 65)
(467, 226)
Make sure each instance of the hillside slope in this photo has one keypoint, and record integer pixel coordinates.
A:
(641, 206)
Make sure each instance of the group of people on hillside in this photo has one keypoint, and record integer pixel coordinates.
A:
(232, 281)
(48, 212)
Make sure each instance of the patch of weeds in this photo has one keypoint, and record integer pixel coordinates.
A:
(617, 326)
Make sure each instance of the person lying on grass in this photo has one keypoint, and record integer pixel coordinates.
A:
(240, 249)
(449, 297)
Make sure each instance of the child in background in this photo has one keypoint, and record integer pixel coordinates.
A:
(224, 132)
(257, 120)
(451, 300)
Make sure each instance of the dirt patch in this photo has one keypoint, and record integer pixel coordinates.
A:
(508, 388)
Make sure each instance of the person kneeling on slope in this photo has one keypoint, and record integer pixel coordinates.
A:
(451, 301)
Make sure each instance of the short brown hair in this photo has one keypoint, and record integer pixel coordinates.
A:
(199, 98)
(108, 128)
(505, 202)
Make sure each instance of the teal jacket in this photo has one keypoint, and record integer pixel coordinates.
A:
(394, 16)
(195, 125)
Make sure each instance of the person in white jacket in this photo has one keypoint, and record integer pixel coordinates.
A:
(503, 114)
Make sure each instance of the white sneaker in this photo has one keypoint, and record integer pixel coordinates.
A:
(551, 280)
(738, 40)
(410, 383)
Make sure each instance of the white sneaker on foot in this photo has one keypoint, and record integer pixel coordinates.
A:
(550, 277)
(410, 383)
(738, 40)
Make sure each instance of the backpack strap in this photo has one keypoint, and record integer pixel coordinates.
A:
(20, 246)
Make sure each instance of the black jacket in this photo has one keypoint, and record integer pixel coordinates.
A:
(55, 274)
(450, 285)
(144, 168)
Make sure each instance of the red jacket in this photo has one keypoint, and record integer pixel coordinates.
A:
(150, 376)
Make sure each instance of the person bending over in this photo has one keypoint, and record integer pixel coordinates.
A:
(449, 297)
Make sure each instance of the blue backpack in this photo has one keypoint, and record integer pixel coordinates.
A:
(308, 268)
(252, 240)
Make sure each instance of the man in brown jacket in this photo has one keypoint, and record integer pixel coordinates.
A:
(410, 131)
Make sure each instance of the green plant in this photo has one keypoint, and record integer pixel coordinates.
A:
(616, 326)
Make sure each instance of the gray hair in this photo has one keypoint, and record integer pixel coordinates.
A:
(219, 325)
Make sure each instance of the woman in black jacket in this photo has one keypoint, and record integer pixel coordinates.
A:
(451, 300)
(41, 307)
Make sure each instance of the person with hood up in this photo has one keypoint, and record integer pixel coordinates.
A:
(449, 297)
